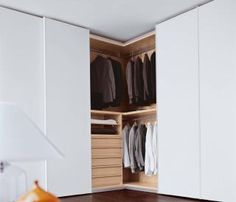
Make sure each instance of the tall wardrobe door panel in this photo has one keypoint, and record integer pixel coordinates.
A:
(178, 106)
(217, 29)
(68, 107)
(21, 73)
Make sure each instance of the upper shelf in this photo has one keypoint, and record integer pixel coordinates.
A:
(102, 112)
(140, 112)
(130, 113)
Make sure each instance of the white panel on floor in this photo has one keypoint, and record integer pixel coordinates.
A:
(217, 29)
(21, 72)
(178, 106)
(68, 107)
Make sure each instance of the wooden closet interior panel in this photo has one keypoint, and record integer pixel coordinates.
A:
(107, 149)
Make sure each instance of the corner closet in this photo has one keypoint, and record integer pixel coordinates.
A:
(109, 120)
(195, 95)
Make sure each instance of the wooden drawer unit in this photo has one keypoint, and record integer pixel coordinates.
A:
(107, 168)
(111, 142)
(107, 181)
(106, 153)
(108, 162)
(107, 172)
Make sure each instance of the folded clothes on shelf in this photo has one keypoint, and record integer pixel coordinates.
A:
(108, 131)
(104, 121)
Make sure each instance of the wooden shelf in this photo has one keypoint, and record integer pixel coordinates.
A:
(106, 124)
(102, 112)
(136, 112)
(140, 112)
(104, 136)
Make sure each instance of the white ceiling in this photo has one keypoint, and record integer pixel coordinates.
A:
(116, 19)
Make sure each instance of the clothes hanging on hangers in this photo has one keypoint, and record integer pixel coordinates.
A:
(153, 77)
(140, 148)
(102, 83)
(138, 81)
(116, 66)
(149, 159)
(154, 147)
(106, 83)
(130, 81)
(141, 80)
(126, 158)
(147, 85)
(132, 136)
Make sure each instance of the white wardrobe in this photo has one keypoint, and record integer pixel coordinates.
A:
(44, 69)
(178, 106)
(22, 72)
(196, 102)
(217, 57)
(67, 97)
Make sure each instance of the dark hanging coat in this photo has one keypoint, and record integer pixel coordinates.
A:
(153, 76)
(116, 66)
(138, 81)
(103, 91)
(130, 81)
(147, 85)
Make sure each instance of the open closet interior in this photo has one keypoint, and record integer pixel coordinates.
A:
(123, 114)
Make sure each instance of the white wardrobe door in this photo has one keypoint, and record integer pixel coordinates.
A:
(178, 106)
(217, 28)
(21, 72)
(67, 59)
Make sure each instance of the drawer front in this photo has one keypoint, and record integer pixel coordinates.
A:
(106, 153)
(108, 162)
(107, 172)
(106, 181)
(106, 143)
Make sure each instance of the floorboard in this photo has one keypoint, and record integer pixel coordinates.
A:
(125, 196)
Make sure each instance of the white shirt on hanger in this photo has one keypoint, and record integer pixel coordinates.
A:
(154, 147)
(149, 159)
(126, 158)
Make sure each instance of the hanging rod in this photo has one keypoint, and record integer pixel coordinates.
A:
(142, 51)
(119, 55)
(104, 53)
(141, 120)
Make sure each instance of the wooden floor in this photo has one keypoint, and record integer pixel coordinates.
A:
(125, 196)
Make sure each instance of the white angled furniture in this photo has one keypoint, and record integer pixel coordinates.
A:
(68, 107)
